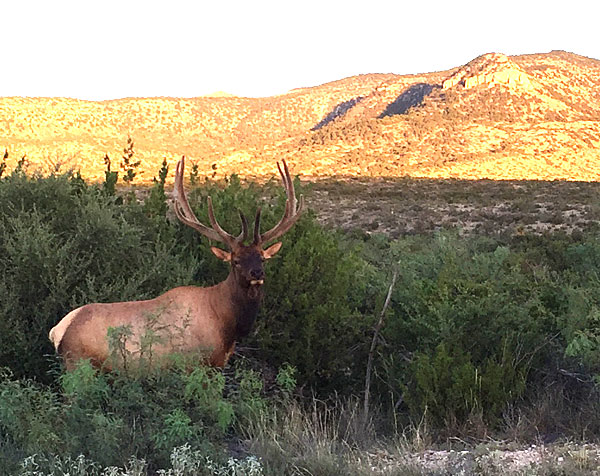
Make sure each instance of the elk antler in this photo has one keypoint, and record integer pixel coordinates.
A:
(186, 215)
(290, 215)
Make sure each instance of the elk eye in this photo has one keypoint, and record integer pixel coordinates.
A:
(236, 262)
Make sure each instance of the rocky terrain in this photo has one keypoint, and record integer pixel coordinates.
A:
(496, 117)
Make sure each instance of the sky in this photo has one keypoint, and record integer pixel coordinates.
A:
(97, 50)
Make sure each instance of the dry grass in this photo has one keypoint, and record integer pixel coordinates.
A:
(329, 440)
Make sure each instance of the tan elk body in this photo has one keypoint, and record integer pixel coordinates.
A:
(189, 318)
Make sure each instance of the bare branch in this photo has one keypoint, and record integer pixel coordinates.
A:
(372, 349)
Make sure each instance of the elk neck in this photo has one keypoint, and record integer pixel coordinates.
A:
(244, 304)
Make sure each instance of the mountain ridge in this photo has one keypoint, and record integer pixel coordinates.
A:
(531, 116)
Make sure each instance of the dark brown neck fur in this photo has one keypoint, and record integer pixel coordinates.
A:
(245, 308)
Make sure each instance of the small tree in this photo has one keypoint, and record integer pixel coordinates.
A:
(128, 165)
(21, 165)
(162, 174)
(110, 178)
(156, 203)
(194, 174)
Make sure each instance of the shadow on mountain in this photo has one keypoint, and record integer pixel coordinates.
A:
(339, 110)
(412, 97)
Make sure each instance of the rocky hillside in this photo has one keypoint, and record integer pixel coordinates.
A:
(520, 117)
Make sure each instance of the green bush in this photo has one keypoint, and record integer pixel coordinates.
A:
(469, 319)
(311, 315)
(448, 387)
(184, 462)
(110, 417)
(63, 245)
(473, 324)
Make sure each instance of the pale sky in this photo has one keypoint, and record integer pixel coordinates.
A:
(112, 49)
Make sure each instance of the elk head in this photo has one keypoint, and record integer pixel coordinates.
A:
(246, 261)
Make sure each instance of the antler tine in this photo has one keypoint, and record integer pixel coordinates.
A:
(244, 234)
(291, 213)
(257, 238)
(227, 238)
(289, 188)
(185, 214)
(182, 208)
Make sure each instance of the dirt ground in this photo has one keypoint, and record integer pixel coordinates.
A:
(493, 459)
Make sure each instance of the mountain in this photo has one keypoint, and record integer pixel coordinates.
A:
(499, 117)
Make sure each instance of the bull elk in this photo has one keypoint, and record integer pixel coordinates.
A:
(190, 318)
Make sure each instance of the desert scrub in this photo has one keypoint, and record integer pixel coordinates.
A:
(65, 243)
(490, 313)
(449, 387)
(109, 418)
(474, 314)
(62, 246)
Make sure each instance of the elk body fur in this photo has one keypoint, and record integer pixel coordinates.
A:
(207, 320)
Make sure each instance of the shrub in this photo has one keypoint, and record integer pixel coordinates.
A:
(155, 204)
(473, 321)
(63, 245)
(448, 387)
(110, 417)
(311, 318)
(467, 322)
(184, 462)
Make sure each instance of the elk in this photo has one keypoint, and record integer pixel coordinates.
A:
(208, 320)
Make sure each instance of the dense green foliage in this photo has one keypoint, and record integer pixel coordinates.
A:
(475, 321)
(64, 244)
(476, 325)
(109, 418)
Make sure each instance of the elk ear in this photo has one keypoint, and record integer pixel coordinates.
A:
(271, 250)
(221, 254)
